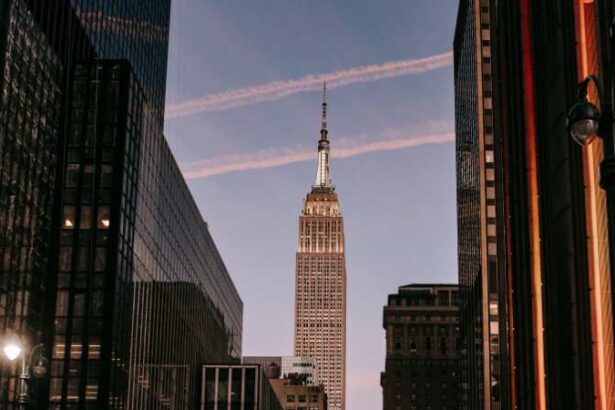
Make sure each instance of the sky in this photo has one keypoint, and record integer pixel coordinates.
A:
(243, 119)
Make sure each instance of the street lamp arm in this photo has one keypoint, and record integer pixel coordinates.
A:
(584, 85)
(38, 349)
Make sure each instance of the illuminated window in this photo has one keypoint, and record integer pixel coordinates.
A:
(491, 231)
(68, 217)
(490, 175)
(103, 220)
(491, 211)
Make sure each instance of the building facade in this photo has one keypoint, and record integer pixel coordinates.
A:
(99, 230)
(554, 241)
(122, 304)
(237, 387)
(295, 395)
(481, 229)
(422, 336)
(320, 280)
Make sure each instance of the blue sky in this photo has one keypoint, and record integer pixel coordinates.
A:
(398, 205)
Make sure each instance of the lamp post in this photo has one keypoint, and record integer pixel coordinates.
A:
(586, 121)
(33, 364)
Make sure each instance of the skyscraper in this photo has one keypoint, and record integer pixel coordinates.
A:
(482, 275)
(517, 65)
(106, 259)
(320, 279)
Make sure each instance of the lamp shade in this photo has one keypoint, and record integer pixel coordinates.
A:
(583, 122)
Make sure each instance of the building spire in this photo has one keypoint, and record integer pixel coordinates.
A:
(323, 178)
(324, 111)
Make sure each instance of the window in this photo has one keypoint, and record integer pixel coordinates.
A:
(83, 259)
(97, 303)
(68, 217)
(103, 220)
(88, 175)
(66, 254)
(100, 259)
(72, 175)
(491, 211)
(62, 303)
(106, 176)
(85, 221)
(79, 304)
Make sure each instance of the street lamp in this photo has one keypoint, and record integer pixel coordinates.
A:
(585, 122)
(33, 364)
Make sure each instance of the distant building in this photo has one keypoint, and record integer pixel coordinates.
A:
(300, 366)
(293, 394)
(287, 366)
(320, 280)
(421, 369)
(237, 386)
(271, 365)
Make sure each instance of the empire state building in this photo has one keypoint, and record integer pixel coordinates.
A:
(320, 279)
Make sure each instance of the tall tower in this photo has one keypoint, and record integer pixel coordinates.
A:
(320, 280)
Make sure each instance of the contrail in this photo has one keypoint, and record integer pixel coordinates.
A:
(278, 157)
(279, 89)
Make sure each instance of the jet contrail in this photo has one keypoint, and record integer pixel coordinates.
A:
(278, 157)
(279, 89)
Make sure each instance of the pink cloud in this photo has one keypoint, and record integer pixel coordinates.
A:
(345, 148)
(313, 82)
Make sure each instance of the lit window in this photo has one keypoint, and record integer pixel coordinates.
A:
(490, 175)
(103, 220)
(491, 231)
(69, 217)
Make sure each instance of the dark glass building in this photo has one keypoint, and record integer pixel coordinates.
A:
(139, 279)
(238, 387)
(422, 336)
(105, 256)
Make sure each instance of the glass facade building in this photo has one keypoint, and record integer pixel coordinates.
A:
(30, 99)
(105, 256)
(136, 260)
(481, 229)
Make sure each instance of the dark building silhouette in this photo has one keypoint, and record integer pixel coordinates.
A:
(422, 365)
(103, 248)
(551, 274)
